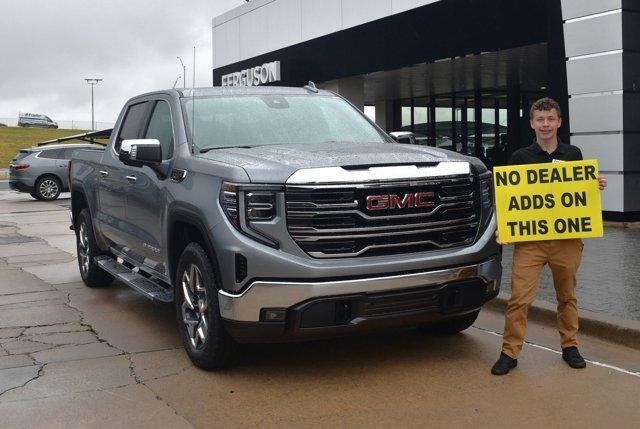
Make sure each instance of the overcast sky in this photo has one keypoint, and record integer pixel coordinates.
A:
(48, 47)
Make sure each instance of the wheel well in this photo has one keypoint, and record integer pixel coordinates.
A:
(78, 203)
(48, 175)
(182, 233)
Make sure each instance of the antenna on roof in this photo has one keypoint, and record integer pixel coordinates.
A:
(311, 87)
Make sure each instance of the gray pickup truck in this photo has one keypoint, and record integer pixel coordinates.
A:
(269, 214)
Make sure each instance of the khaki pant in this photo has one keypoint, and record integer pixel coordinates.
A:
(563, 257)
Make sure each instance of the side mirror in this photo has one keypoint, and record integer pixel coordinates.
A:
(138, 152)
(404, 137)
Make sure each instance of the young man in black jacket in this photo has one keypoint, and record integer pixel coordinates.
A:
(563, 256)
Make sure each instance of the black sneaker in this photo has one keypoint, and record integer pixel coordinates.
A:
(504, 365)
(572, 356)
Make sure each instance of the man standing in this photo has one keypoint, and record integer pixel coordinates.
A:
(563, 256)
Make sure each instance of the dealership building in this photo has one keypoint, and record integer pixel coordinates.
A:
(457, 72)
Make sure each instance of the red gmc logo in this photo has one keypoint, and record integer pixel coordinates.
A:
(393, 201)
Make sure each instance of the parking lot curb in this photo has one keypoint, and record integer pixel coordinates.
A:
(609, 328)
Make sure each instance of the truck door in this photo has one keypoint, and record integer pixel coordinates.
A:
(145, 197)
(113, 183)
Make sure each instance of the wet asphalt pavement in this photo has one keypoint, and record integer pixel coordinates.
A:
(608, 278)
(75, 357)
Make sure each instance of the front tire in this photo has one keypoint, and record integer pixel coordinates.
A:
(205, 340)
(86, 248)
(451, 326)
(48, 188)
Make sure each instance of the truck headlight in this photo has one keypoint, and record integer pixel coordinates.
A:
(249, 206)
(486, 195)
(486, 191)
(260, 206)
(229, 203)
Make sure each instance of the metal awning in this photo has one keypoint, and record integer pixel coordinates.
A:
(89, 137)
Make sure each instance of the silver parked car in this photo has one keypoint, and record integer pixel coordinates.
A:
(42, 171)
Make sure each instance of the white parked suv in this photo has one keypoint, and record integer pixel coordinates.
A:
(36, 120)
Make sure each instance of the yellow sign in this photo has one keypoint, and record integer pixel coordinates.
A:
(550, 201)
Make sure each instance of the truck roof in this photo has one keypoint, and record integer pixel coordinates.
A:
(237, 90)
(248, 90)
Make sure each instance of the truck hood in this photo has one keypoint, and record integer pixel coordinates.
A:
(276, 163)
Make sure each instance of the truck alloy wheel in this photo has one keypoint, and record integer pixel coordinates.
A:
(205, 340)
(194, 306)
(83, 249)
(86, 248)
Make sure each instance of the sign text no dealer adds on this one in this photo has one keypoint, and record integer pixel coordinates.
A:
(548, 201)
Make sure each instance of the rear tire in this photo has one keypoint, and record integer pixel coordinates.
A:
(205, 340)
(48, 188)
(86, 248)
(451, 326)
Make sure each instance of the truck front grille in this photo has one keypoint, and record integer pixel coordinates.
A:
(334, 221)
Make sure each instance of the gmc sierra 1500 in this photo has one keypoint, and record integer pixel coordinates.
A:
(277, 213)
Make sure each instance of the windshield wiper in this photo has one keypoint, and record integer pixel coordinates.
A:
(205, 150)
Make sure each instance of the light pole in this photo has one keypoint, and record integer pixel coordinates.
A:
(176, 81)
(93, 82)
(184, 73)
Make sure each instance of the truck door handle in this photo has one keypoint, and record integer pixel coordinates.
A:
(104, 173)
(131, 179)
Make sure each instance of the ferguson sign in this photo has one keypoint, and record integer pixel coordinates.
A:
(260, 75)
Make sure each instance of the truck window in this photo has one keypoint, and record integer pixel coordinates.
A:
(160, 128)
(132, 124)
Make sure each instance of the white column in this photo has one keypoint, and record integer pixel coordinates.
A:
(351, 88)
(384, 115)
(593, 43)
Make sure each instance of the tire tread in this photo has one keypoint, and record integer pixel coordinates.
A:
(96, 277)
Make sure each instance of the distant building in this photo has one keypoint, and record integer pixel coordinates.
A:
(459, 71)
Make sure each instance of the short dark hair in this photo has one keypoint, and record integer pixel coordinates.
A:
(545, 104)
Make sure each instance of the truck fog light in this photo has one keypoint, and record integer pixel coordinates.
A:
(273, 315)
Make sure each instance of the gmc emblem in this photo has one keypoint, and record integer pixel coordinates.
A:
(393, 201)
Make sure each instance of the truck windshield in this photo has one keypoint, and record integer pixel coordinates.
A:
(256, 120)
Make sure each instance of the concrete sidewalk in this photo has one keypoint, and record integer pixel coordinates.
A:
(608, 278)
(608, 328)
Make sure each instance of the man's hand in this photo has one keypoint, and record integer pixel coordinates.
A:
(602, 182)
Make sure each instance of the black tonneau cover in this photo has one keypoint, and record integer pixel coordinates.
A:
(87, 137)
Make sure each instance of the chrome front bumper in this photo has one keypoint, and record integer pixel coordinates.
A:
(246, 306)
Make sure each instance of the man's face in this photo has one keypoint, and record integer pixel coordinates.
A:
(546, 123)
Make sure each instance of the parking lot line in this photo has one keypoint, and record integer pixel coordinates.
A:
(558, 352)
